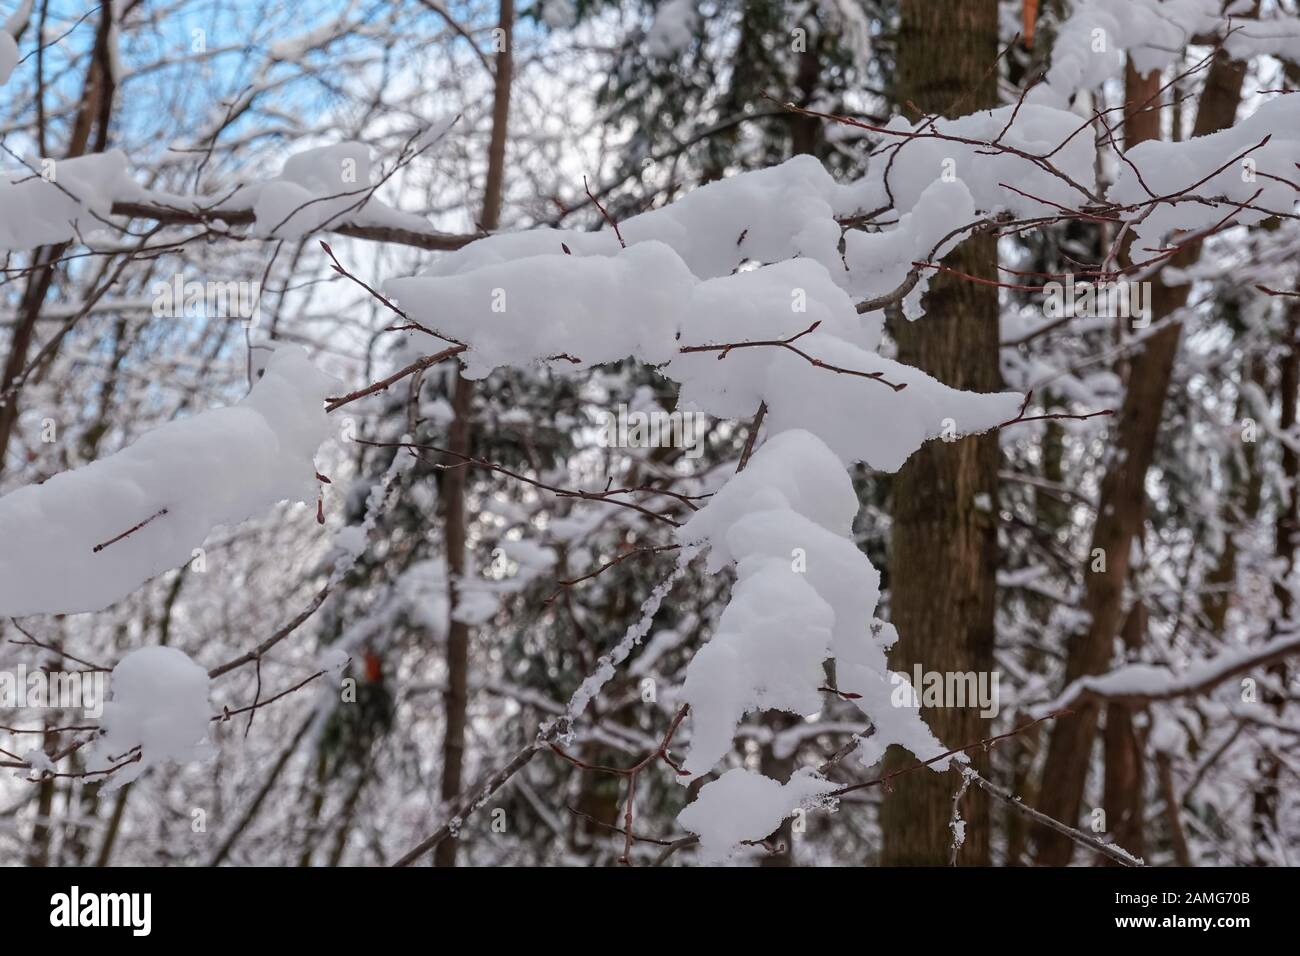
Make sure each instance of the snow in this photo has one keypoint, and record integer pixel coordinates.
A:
(766, 654)
(351, 540)
(1160, 682)
(1174, 167)
(831, 563)
(173, 485)
(436, 131)
(1277, 36)
(673, 27)
(476, 603)
(766, 215)
(39, 760)
(923, 159)
(579, 311)
(559, 14)
(751, 261)
(1167, 735)
(958, 827)
(785, 522)
(662, 642)
(792, 470)
(423, 592)
(890, 724)
(1091, 44)
(805, 593)
(422, 589)
(333, 660)
(881, 261)
(1082, 57)
(862, 421)
(318, 187)
(536, 307)
(529, 555)
(159, 704)
(34, 211)
(742, 805)
(768, 304)
(296, 47)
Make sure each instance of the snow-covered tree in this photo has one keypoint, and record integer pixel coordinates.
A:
(582, 432)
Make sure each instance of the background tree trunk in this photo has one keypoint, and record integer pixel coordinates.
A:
(944, 540)
(459, 441)
(1265, 800)
(1123, 794)
(1122, 501)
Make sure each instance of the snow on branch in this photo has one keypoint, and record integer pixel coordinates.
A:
(326, 188)
(1144, 683)
(89, 537)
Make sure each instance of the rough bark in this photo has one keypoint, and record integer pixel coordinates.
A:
(944, 538)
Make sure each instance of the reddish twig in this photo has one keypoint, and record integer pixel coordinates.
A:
(129, 531)
(885, 779)
(660, 753)
(630, 553)
(1051, 416)
(605, 496)
(725, 349)
(418, 365)
(604, 212)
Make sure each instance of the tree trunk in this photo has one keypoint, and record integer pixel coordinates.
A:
(1122, 500)
(944, 540)
(1265, 800)
(1240, 512)
(459, 441)
(1124, 790)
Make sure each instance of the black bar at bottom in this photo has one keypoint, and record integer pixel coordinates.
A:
(225, 906)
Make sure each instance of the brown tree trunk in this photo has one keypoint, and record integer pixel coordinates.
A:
(806, 132)
(944, 540)
(1169, 794)
(456, 702)
(459, 441)
(1265, 800)
(20, 344)
(1122, 752)
(1243, 499)
(1122, 500)
(1123, 793)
